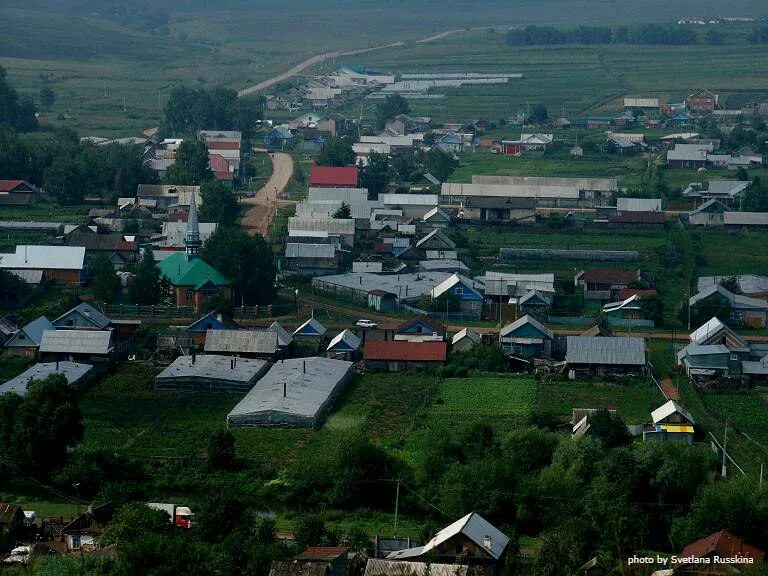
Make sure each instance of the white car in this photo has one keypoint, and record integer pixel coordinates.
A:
(366, 324)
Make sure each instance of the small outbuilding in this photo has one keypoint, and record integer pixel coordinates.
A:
(245, 343)
(671, 423)
(465, 339)
(210, 373)
(381, 300)
(78, 345)
(344, 345)
(310, 329)
(295, 393)
(400, 356)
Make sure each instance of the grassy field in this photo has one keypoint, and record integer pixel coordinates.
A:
(633, 401)
(488, 398)
(747, 411)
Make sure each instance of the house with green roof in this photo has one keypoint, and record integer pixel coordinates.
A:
(193, 281)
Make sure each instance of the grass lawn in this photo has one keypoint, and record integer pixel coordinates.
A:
(12, 366)
(747, 411)
(632, 401)
(485, 397)
(46, 212)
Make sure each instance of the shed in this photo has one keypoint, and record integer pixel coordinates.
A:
(284, 338)
(72, 371)
(381, 300)
(295, 393)
(210, 373)
(246, 343)
(437, 218)
(465, 339)
(91, 345)
(602, 356)
(344, 345)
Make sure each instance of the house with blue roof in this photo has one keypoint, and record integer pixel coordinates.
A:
(464, 290)
(344, 345)
(26, 341)
(421, 329)
(526, 337)
(83, 317)
(310, 329)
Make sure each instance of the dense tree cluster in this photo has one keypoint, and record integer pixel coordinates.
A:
(189, 110)
(15, 111)
(336, 152)
(393, 105)
(648, 34)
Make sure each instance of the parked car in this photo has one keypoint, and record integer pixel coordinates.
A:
(366, 324)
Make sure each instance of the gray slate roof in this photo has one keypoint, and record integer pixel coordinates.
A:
(241, 341)
(214, 367)
(77, 341)
(606, 351)
(34, 330)
(284, 338)
(89, 312)
(72, 371)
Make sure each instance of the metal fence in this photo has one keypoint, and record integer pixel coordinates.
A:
(588, 321)
(140, 311)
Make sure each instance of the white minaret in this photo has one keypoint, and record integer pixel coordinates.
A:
(192, 238)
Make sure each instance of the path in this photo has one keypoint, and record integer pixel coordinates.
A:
(264, 204)
(319, 58)
(670, 391)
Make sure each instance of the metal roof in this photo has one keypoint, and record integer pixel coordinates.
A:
(299, 386)
(466, 333)
(442, 255)
(45, 258)
(707, 330)
(666, 410)
(509, 190)
(17, 225)
(745, 218)
(737, 301)
(452, 281)
(29, 276)
(330, 225)
(405, 286)
(89, 313)
(381, 567)
(284, 338)
(310, 327)
(408, 199)
(748, 283)
(436, 234)
(344, 341)
(447, 265)
(241, 341)
(638, 204)
(689, 152)
(72, 371)
(508, 284)
(436, 211)
(213, 367)
(175, 232)
(77, 341)
(473, 526)
(605, 350)
(627, 303)
(594, 184)
(520, 322)
(302, 250)
(33, 331)
(726, 187)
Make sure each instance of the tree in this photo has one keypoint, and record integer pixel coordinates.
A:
(248, 261)
(713, 37)
(344, 211)
(336, 152)
(105, 284)
(731, 284)
(134, 520)
(439, 164)
(45, 424)
(538, 115)
(17, 112)
(221, 450)
(223, 514)
(219, 204)
(609, 429)
(309, 531)
(16, 160)
(147, 286)
(13, 290)
(47, 97)
(375, 175)
(191, 166)
(65, 180)
(189, 110)
(392, 106)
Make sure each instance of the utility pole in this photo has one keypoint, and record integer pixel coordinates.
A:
(397, 505)
(725, 444)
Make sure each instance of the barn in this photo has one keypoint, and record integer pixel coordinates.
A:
(210, 373)
(296, 393)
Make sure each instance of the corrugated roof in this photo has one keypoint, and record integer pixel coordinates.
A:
(88, 312)
(748, 283)
(408, 199)
(33, 332)
(72, 371)
(326, 553)
(302, 250)
(401, 350)
(344, 341)
(241, 341)
(508, 190)
(333, 176)
(467, 333)
(520, 322)
(438, 235)
(213, 367)
(745, 218)
(606, 351)
(381, 567)
(311, 327)
(308, 383)
(447, 265)
(638, 204)
(725, 545)
(77, 342)
(45, 258)
(669, 408)
(473, 526)
(594, 184)
(284, 338)
(331, 225)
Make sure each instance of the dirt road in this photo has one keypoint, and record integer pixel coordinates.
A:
(264, 205)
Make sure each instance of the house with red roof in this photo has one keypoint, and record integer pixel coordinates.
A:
(402, 356)
(222, 168)
(333, 177)
(604, 284)
(17, 192)
(721, 545)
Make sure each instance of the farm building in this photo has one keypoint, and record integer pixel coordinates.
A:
(399, 356)
(478, 541)
(78, 345)
(284, 338)
(17, 192)
(210, 373)
(495, 209)
(604, 356)
(295, 393)
(671, 423)
(26, 340)
(344, 345)
(246, 343)
(60, 264)
(72, 371)
(527, 337)
(465, 339)
(381, 300)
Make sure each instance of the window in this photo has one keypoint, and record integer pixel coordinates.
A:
(189, 293)
(70, 322)
(734, 357)
(459, 291)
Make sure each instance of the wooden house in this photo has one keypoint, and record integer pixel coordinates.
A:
(17, 193)
(421, 329)
(526, 337)
(11, 522)
(26, 340)
(701, 101)
(600, 356)
(311, 329)
(604, 283)
(402, 356)
(90, 346)
(343, 346)
(466, 292)
(261, 344)
(83, 317)
(671, 423)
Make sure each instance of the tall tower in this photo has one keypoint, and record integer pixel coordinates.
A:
(192, 238)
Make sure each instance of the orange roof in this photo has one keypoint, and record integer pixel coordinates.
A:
(724, 544)
(406, 351)
(10, 185)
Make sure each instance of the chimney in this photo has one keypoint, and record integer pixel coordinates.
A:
(487, 542)
(285, 389)
(305, 366)
(57, 365)
(193, 358)
(231, 363)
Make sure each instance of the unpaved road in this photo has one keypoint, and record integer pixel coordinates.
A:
(264, 205)
(318, 58)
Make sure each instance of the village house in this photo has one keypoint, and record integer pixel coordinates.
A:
(280, 138)
(722, 544)
(701, 101)
(311, 329)
(193, 281)
(420, 329)
(710, 213)
(380, 566)
(688, 156)
(604, 283)
(465, 295)
(333, 177)
(465, 339)
(18, 193)
(728, 192)
(403, 356)
(165, 196)
(744, 311)
(495, 210)
(470, 541)
(603, 357)
(749, 284)
(214, 320)
(526, 337)
(82, 533)
(84, 346)
(262, 344)
(112, 245)
(64, 265)
(83, 317)
(306, 259)
(436, 218)
(26, 341)
(343, 346)
(626, 312)
(671, 423)
(527, 145)
(412, 205)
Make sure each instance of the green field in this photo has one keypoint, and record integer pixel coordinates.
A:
(489, 398)
(747, 411)
(632, 401)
